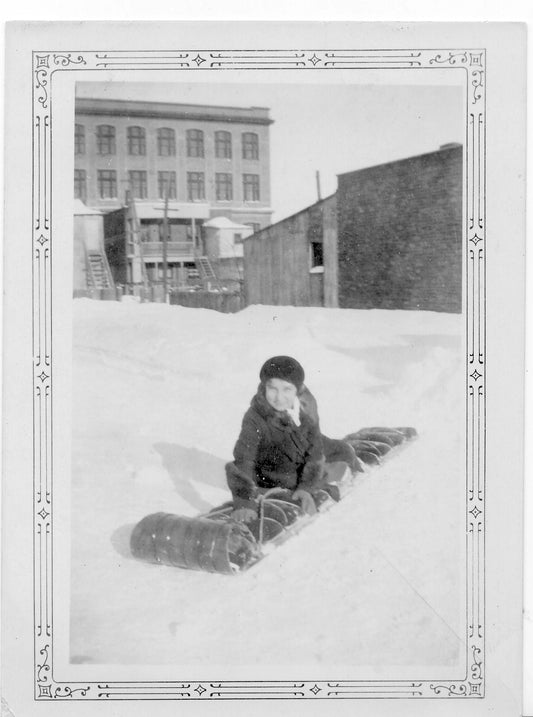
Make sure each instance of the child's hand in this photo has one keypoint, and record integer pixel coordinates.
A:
(306, 501)
(244, 515)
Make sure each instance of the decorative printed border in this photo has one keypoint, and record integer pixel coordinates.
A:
(45, 65)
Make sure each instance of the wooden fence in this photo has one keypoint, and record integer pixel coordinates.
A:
(225, 302)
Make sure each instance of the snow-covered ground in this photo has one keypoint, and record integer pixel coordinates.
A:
(375, 582)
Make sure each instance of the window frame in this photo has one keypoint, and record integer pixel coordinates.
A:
(79, 139)
(223, 181)
(168, 140)
(195, 143)
(136, 140)
(250, 145)
(106, 140)
(223, 144)
(251, 181)
(171, 174)
(314, 255)
(196, 179)
(142, 176)
(80, 179)
(111, 180)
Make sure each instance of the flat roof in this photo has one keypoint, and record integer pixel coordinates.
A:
(451, 146)
(172, 110)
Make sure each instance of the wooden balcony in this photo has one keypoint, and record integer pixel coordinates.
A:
(175, 250)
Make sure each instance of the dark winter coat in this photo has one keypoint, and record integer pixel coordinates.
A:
(272, 451)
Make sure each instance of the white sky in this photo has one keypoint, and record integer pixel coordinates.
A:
(332, 128)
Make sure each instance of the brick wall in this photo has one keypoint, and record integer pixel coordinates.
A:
(400, 232)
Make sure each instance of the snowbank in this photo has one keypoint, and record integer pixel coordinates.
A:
(375, 583)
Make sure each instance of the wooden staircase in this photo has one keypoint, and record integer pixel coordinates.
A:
(206, 271)
(98, 272)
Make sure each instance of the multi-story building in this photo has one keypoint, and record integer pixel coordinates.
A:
(207, 161)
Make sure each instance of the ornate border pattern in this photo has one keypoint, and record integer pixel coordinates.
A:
(45, 65)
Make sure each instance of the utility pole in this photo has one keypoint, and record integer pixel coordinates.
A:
(166, 236)
(318, 185)
(165, 247)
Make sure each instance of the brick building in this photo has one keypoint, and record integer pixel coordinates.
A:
(400, 233)
(211, 161)
(390, 238)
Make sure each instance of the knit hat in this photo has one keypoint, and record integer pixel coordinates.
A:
(284, 368)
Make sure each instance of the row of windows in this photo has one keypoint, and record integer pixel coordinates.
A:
(166, 142)
(106, 180)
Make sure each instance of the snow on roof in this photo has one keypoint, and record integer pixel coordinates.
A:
(81, 208)
(225, 223)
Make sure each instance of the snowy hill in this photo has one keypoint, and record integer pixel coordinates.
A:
(376, 583)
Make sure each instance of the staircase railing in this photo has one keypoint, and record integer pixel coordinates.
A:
(107, 268)
(90, 277)
(206, 270)
(93, 281)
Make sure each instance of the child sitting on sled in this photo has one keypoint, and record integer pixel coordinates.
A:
(280, 444)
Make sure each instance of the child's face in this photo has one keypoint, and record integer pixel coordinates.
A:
(280, 394)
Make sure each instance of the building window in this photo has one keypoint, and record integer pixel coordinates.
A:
(107, 183)
(195, 143)
(195, 186)
(250, 145)
(80, 184)
(138, 185)
(224, 187)
(105, 139)
(192, 270)
(166, 142)
(166, 181)
(250, 186)
(317, 254)
(223, 145)
(136, 141)
(254, 226)
(79, 139)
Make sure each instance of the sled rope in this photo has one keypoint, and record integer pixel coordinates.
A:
(261, 517)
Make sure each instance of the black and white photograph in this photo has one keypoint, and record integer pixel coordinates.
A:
(261, 430)
(370, 342)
